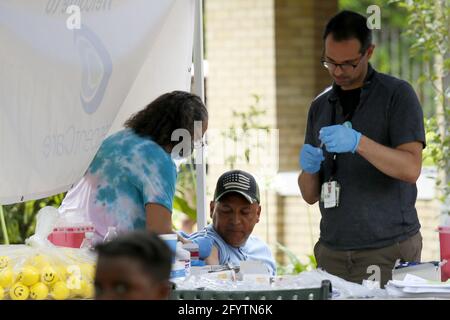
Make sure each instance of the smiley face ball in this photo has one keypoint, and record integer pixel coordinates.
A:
(38, 291)
(49, 275)
(19, 291)
(28, 275)
(60, 291)
(4, 262)
(6, 278)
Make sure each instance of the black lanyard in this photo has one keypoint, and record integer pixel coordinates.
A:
(334, 156)
(348, 117)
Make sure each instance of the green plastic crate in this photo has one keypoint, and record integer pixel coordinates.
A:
(321, 293)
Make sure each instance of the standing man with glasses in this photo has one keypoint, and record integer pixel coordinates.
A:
(361, 159)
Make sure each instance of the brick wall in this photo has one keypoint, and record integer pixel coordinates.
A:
(272, 48)
(300, 76)
(240, 49)
(428, 212)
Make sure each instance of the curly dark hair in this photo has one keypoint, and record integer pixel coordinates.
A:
(171, 111)
(147, 248)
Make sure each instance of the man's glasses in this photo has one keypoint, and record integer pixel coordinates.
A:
(345, 67)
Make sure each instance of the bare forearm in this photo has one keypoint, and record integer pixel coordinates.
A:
(213, 258)
(400, 164)
(309, 187)
(159, 219)
(160, 228)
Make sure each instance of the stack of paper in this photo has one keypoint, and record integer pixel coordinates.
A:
(416, 287)
(429, 271)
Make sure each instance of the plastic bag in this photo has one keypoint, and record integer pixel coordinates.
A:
(45, 220)
(342, 289)
(40, 270)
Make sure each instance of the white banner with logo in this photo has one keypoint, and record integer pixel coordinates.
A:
(73, 70)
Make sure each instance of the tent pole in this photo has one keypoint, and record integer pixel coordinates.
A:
(199, 90)
(3, 223)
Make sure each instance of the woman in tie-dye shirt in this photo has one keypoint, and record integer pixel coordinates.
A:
(130, 184)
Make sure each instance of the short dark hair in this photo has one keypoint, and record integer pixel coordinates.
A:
(348, 25)
(170, 111)
(147, 248)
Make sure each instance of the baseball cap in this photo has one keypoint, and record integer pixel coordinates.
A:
(240, 182)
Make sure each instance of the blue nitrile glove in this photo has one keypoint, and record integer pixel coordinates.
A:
(204, 247)
(198, 263)
(311, 158)
(340, 139)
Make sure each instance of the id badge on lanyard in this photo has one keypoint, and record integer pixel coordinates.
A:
(331, 190)
(330, 194)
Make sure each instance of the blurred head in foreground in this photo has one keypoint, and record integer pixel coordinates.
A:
(135, 266)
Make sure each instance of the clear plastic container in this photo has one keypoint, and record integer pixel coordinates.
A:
(70, 236)
(70, 228)
(88, 243)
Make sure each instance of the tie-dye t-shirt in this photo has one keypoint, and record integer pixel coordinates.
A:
(127, 172)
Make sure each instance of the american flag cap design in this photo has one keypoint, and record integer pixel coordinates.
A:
(237, 181)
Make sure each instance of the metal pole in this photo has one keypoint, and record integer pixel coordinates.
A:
(200, 165)
(3, 223)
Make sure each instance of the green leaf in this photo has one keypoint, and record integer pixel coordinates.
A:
(182, 205)
(295, 266)
(447, 64)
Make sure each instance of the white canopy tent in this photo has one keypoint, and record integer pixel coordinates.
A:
(62, 90)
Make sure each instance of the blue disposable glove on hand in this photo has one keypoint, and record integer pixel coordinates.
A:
(204, 246)
(311, 158)
(340, 139)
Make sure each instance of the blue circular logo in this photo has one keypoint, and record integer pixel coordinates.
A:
(96, 68)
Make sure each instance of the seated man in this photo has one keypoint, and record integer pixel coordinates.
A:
(134, 266)
(235, 210)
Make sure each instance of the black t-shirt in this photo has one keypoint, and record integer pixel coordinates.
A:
(349, 100)
(375, 210)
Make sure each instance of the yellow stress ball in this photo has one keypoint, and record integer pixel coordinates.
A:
(87, 270)
(78, 286)
(60, 291)
(89, 291)
(40, 262)
(28, 276)
(2, 293)
(61, 271)
(19, 291)
(49, 275)
(6, 278)
(4, 262)
(38, 291)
